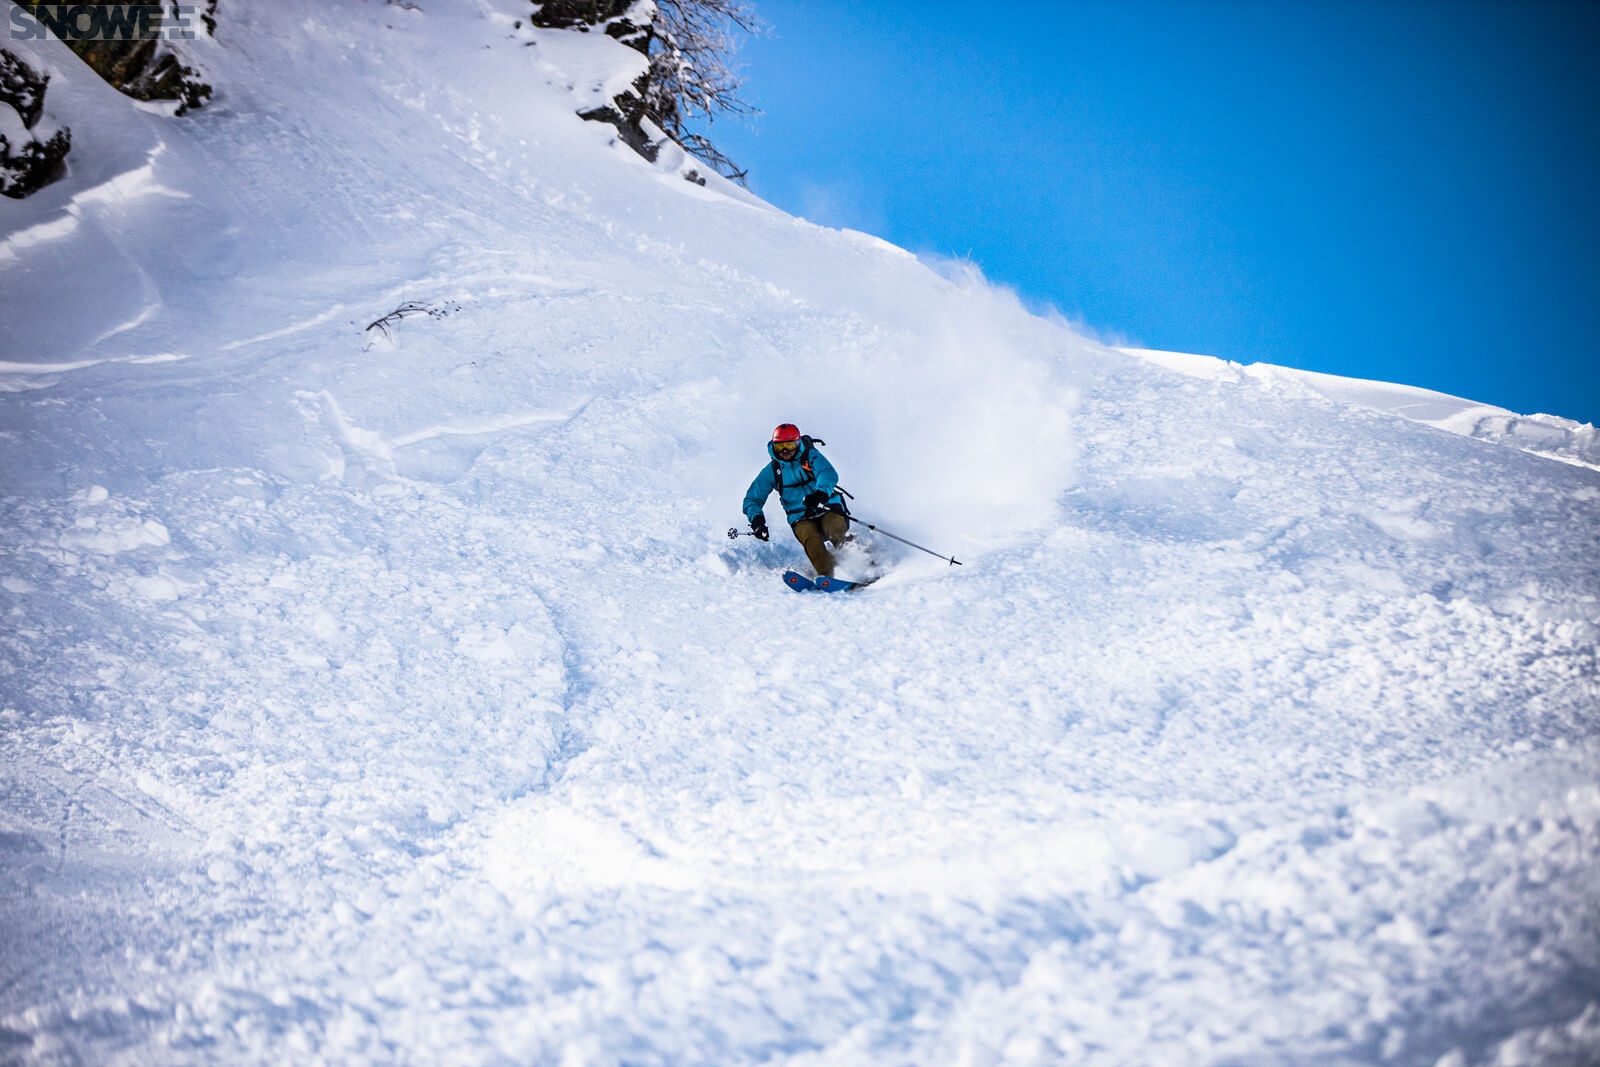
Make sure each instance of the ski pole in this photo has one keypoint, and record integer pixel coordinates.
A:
(734, 533)
(863, 522)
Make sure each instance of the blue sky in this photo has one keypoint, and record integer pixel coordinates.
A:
(1404, 191)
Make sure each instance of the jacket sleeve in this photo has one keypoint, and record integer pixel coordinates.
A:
(755, 498)
(827, 477)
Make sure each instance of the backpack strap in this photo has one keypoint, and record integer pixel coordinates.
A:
(806, 441)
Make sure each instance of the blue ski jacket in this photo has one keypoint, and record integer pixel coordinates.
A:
(808, 472)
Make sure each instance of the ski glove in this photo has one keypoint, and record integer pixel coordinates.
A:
(816, 502)
(758, 528)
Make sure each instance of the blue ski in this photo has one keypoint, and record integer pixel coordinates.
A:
(801, 584)
(838, 585)
(798, 582)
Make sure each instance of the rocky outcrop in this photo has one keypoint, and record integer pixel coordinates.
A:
(27, 162)
(686, 45)
(143, 67)
(607, 15)
(627, 112)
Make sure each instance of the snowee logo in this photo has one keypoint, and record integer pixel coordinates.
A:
(104, 22)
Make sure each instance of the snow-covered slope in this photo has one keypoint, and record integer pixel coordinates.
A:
(1544, 435)
(395, 696)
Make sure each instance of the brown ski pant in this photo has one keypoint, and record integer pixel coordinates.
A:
(811, 533)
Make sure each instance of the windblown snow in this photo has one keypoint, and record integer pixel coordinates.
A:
(395, 695)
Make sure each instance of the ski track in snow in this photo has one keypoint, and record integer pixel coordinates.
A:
(404, 702)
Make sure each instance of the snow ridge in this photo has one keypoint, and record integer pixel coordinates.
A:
(1543, 435)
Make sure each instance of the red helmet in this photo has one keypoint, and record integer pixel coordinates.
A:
(787, 431)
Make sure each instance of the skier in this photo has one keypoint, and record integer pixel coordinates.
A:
(808, 488)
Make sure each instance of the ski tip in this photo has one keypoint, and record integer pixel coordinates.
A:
(798, 582)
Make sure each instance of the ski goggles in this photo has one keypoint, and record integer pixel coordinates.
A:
(786, 448)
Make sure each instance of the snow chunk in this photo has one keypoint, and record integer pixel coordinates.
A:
(108, 527)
